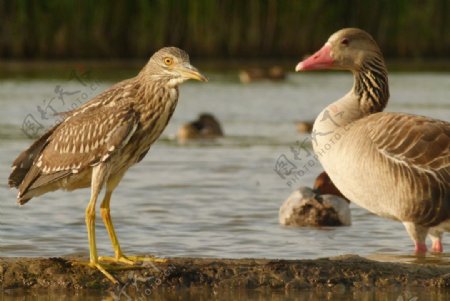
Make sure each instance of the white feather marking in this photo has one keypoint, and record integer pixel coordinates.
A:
(175, 82)
(400, 160)
(173, 94)
(130, 134)
(89, 132)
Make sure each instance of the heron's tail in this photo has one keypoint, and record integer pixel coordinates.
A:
(23, 163)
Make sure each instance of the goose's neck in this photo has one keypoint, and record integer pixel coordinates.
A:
(371, 88)
(369, 94)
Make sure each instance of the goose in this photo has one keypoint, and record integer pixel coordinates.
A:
(323, 205)
(324, 185)
(304, 127)
(274, 73)
(205, 127)
(402, 159)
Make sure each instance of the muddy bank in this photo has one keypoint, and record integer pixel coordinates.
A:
(335, 273)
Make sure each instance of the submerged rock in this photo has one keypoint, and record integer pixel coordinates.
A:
(322, 206)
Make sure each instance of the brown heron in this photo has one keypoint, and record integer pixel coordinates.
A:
(96, 143)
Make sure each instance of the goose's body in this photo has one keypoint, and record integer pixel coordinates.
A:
(404, 160)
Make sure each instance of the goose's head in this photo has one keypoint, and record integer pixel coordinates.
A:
(346, 49)
(324, 185)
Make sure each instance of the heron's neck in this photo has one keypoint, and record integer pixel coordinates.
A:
(369, 94)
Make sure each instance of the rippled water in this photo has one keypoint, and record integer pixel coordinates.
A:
(218, 199)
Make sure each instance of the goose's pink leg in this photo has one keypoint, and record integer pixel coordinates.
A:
(421, 248)
(418, 234)
(436, 239)
(437, 246)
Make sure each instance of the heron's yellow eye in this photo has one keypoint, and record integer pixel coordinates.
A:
(168, 61)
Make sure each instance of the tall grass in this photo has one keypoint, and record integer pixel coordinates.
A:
(216, 28)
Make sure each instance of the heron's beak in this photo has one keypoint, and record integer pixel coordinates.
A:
(190, 72)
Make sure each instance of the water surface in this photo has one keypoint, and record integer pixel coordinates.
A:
(218, 199)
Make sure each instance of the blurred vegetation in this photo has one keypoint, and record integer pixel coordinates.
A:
(57, 29)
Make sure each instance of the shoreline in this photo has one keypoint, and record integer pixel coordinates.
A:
(113, 69)
(342, 272)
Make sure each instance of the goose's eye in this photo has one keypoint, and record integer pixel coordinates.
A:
(345, 41)
(168, 61)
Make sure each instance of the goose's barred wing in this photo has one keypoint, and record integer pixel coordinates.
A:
(81, 141)
(417, 141)
(418, 149)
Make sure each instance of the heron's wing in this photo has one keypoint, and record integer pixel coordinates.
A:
(24, 161)
(123, 91)
(81, 141)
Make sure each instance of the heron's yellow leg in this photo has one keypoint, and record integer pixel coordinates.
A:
(118, 254)
(106, 216)
(98, 179)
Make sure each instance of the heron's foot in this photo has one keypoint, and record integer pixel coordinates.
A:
(101, 267)
(120, 259)
(132, 260)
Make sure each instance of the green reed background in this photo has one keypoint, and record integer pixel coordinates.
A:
(52, 29)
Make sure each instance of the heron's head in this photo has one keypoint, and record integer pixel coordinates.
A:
(172, 64)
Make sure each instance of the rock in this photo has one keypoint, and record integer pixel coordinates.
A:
(305, 208)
